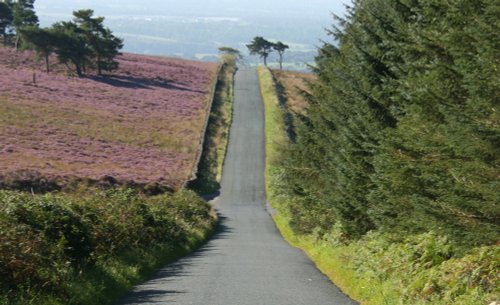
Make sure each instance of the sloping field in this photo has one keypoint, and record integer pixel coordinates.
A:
(291, 86)
(141, 126)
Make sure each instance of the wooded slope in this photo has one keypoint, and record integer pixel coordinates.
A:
(402, 132)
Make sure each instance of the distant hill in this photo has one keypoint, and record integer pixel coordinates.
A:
(141, 125)
(195, 29)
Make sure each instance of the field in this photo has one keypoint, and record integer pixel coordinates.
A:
(291, 86)
(139, 126)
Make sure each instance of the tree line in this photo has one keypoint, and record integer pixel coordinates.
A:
(80, 44)
(262, 47)
(402, 133)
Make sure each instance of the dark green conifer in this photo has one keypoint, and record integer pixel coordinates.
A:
(402, 133)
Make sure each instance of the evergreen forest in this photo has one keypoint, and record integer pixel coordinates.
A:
(402, 132)
(398, 150)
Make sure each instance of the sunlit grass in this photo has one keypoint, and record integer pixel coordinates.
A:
(294, 84)
(103, 125)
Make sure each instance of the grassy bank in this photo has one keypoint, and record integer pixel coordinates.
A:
(90, 249)
(214, 149)
(380, 268)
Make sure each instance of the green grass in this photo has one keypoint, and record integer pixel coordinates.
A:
(216, 139)
(380, 269)
(83, 249)
(118, 276)
(274, 119)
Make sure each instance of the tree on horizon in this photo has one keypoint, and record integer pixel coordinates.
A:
(280, 47)
(230, 54)
(260, 46)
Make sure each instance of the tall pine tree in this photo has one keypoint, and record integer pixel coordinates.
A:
(402, 132)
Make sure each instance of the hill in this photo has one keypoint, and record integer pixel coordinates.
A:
(196, 29)
(139, 126)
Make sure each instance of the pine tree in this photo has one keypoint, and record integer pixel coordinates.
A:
(280, 48)
(6, 19)
(103, 45)
(71, 46)
(402, 132)
(23, 14)
(85, 42)
(42, 40)
(260, 46)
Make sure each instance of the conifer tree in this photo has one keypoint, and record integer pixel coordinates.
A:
(260, 46)
(5, 19)
(280, 47)
(71, 46)
(23, 14)
(402, 129)
(103, 45)
(437, 169)
(85, 42)
(42, 40)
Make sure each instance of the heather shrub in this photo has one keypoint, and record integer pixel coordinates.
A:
(162, 102)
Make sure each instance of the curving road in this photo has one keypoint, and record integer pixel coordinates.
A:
(247, 262)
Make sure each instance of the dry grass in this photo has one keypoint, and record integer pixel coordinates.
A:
(293, 85)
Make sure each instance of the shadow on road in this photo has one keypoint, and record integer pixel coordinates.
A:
(150, 292)
(147, 296)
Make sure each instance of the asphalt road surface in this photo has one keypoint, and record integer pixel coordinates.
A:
(247, 262)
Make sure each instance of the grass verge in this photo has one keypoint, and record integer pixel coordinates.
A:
(380, 269)
(81, 249)
(216, 138)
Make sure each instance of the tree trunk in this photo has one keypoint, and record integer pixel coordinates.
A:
(281, 61)
(99, 68)
(16, 44)
(47, 65)
(265, 60)
(78, 70)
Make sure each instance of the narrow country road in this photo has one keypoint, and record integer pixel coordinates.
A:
(247, 262)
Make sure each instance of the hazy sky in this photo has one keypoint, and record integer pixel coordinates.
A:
(190, 27)
(212, 8)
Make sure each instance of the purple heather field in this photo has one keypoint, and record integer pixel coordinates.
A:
(141, 124)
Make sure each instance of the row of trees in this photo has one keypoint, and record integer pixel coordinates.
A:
(402, 133)
(81, 43)
(262, 47)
